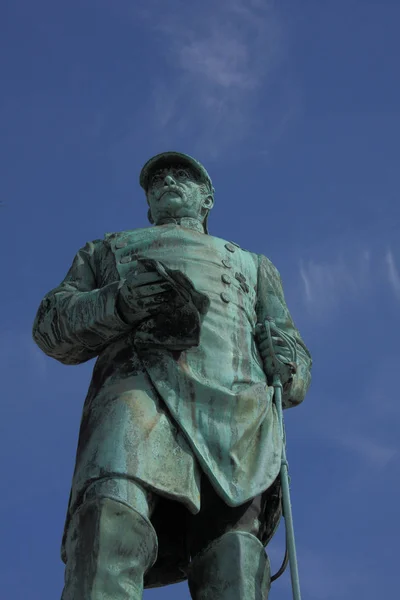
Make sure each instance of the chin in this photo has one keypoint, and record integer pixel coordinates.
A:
(173, 209)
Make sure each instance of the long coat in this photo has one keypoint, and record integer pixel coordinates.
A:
(163, 417)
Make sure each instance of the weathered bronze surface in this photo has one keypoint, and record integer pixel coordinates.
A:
(179, 421)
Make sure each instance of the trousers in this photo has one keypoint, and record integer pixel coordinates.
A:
(113, 524)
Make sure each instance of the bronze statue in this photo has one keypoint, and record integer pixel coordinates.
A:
(177, 466)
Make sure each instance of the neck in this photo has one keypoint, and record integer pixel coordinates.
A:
(186, 222)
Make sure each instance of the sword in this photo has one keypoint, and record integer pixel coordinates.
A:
(284, 475)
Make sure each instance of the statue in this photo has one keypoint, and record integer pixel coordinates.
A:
(178, 459)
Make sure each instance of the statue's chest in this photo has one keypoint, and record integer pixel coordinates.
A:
(215, 266)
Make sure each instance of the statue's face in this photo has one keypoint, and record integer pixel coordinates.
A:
(176, 192)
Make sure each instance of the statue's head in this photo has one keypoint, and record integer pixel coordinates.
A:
(177, 186)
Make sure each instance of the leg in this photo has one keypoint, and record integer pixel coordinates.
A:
(110, 542)
(228, 559)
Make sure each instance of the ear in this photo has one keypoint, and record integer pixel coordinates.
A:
(208, 202)
(149, 216)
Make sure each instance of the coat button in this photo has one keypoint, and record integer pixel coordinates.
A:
(226, 278)
(121, 244)
(225, 297)
(227, 263)
(125, 259)
(230, 247)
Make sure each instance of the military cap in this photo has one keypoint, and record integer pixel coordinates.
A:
(166, 159)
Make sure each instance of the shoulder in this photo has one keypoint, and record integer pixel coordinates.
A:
(108, 237)
(267, 271)
(267, 264)
(232, 246)
(90, 249)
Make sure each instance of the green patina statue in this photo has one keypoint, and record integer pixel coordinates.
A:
(178, 460)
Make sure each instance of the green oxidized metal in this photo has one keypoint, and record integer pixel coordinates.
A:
(177, 393)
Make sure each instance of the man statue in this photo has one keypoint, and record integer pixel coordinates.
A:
(178, 460)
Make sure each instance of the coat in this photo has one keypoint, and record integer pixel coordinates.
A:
(162, 417)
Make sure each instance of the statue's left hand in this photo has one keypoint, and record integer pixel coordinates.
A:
(278, 351)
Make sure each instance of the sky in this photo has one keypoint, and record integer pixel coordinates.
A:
(294, 109)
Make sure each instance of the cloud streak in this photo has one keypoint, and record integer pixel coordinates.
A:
(364, 425)
(325, 284)
(223, 59)
(355, 437)
(393, 273)
(375, 453)
(331, 283)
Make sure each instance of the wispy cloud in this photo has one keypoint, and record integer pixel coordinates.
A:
(375, 453)
(221, 60)
(326, 283)
(333, 282)
(362, 423)
(393, 273)
(356, 437)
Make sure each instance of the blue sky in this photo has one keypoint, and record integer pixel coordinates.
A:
(294, 109)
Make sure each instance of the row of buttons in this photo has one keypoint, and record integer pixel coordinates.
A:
(225, 278)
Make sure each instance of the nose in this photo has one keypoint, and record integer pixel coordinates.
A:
(169, 180)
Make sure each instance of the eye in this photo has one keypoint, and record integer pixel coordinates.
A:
(156, 178)
(182, 174)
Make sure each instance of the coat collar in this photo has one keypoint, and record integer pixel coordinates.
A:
(186, 222)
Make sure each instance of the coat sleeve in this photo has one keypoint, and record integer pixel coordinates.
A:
(271, 303)
(77, 320)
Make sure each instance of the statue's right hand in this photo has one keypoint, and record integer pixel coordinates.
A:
(142, 295)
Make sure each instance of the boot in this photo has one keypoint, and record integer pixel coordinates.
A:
(109, 548)
(233, 567)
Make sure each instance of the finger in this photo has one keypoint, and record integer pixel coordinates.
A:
(171, 306)
(272, 326)
(138, 279)
(164, 302)
(289, 339)
(283, 359)
(155, 300)
(278, 341)
(260, 336)
(280, 334)
(152, 290)
(267, 330)
(264, 345)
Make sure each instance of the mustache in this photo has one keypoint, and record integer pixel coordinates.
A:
(170, 188)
